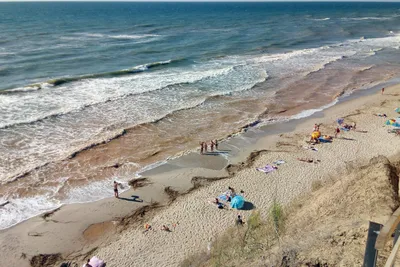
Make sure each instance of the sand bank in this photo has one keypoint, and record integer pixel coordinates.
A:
(115, 228)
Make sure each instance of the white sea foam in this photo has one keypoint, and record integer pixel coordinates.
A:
(21, 209)
(370, 18)
(135, 36)
(321, 19)
(309, 112)
(7, 54)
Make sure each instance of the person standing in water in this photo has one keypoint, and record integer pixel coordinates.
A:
(382, 91)
(116, 184)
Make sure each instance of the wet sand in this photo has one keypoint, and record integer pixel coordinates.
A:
(115, 227)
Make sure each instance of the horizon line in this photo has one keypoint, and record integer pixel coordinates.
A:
(207, 1)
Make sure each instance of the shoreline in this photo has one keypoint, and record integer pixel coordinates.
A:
(177, 174)
(260, 124)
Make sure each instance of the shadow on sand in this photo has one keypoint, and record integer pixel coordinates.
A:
(348, 139)
(133, 199)
(247, 206)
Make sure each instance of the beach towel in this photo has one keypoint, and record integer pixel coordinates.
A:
(323, 140)
(96, 262)
(345, 129)
(279, 162)
(311, 148)
(268, 168)
(223, 197)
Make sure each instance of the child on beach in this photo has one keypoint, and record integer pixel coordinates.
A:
(239, 220)
(337, 131)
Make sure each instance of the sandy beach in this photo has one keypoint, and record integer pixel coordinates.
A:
(178, 194)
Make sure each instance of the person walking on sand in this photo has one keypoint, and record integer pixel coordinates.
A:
(205, 147)
(201, 147)
(337, 131)
(382, 91)
(212, 146)
(116, 184)
(216, 144)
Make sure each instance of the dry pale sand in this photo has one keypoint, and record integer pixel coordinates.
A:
(198, 221)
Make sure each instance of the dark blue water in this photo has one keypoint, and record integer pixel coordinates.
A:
(73, 74)
(41, 41)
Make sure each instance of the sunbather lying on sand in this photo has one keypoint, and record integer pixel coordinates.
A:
(381, 115)
(309, 160)
(147, 227)
(219, 204)
(165, 228)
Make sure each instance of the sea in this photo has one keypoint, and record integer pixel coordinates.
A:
(96, 91)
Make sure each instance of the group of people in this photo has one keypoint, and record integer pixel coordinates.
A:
(316, 134)
(228, 196)
(204, 146)
(346, 127)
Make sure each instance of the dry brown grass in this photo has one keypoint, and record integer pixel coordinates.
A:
(241, 244)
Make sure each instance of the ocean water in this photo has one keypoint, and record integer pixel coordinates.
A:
(86, 87)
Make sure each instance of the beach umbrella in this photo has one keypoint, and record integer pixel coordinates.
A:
(390, 122)
(237, 202)
(96, 262)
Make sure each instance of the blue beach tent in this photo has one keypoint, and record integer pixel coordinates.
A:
(237, 202)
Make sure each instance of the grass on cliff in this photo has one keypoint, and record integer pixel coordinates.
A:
(239, 244)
